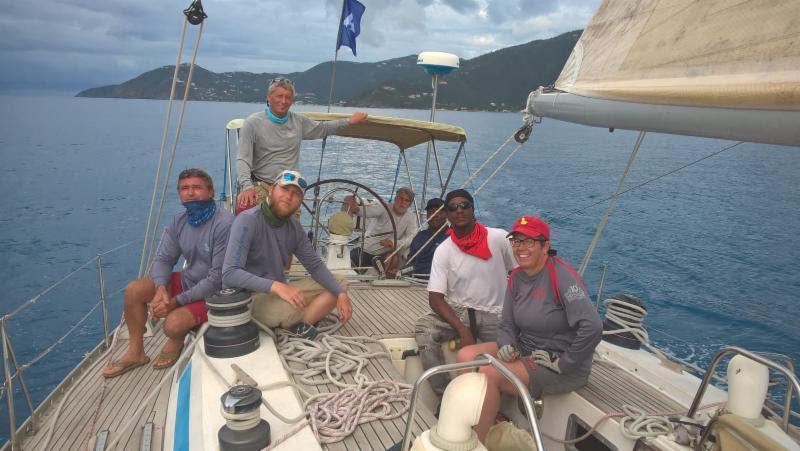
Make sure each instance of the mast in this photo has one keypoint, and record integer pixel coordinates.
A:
(335, 57)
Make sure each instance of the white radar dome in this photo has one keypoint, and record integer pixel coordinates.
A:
(437, 62)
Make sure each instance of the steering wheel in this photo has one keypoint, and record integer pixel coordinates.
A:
(351, 187)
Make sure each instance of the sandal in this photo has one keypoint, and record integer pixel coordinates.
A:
(121, 368)
(168, 358)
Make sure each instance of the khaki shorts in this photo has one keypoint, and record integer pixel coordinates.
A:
(273, 311)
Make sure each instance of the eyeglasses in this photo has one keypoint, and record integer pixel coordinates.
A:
(290, 177)
(466, 205)
(525, 243)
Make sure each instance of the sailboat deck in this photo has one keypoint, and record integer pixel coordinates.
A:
(96, 404)
(381, 313)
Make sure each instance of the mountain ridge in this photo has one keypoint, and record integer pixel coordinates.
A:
(498, 80)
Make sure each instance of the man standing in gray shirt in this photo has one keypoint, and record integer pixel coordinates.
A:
(261, 241)
(269, 141)
(200, 235)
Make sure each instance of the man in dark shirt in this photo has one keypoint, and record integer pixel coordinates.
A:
(421, 250)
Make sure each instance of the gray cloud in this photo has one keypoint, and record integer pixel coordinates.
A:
(75, 44)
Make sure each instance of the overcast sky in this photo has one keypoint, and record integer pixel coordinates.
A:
(69, 45)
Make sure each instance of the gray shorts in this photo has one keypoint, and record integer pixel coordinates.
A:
(544, 381)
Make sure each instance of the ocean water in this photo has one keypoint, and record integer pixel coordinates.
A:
(713, 249)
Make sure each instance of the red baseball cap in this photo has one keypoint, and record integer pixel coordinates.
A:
(531, 226)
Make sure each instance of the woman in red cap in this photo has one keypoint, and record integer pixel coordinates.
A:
(549, 327)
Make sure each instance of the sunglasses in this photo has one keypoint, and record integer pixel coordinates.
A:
(289, 177)
(466, 205)
(281, 81)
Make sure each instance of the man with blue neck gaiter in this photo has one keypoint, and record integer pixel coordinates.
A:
(269, 141)
(199, 235)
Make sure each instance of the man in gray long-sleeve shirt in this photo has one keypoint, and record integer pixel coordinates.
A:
(269, 141)
(261, 241)
(200, 235)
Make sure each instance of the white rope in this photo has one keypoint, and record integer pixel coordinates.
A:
(230, 320)
(331, 355)
(637, 424)
(611, 203)
(334, 416)
(623, 415)
(629, 318)
(241, 421)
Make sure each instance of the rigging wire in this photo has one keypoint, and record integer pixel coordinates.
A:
(713, 154)
(188, 84)
(164, 136)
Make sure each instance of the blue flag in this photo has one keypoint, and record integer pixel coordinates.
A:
(350, 27)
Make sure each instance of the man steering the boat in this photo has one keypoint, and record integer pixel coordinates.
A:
(200, 236)
(378, 236)
(269, 141)
(262, 239)
(466, 286)
(549, 328)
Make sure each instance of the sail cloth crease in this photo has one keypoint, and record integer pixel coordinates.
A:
(710, 53)
(404, 133)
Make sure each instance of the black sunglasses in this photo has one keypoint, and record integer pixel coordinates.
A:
(466, 205)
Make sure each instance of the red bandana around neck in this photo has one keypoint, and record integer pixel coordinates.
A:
(475, 244)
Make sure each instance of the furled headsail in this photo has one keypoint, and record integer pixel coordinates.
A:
(708, 68)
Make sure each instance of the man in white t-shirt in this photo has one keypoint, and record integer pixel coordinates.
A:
(467, 285)
(378, 240)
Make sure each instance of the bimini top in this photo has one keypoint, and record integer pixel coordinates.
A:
(403, 133)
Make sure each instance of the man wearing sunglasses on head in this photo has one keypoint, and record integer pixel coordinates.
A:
(269, 141)
(467, 285)
(261, 242)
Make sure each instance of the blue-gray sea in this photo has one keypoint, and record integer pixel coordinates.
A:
(713, 249)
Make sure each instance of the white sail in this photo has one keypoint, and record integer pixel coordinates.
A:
(709, 68)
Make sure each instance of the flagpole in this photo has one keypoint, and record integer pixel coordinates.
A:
(335, 57)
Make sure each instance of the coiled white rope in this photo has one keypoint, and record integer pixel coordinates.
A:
(334, 416)
(229, 320)
(241, 421)
(636, 424)
(629, 318)
(331, 355)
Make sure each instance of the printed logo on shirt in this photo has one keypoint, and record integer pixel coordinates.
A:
(573, 293)
(538, 293)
